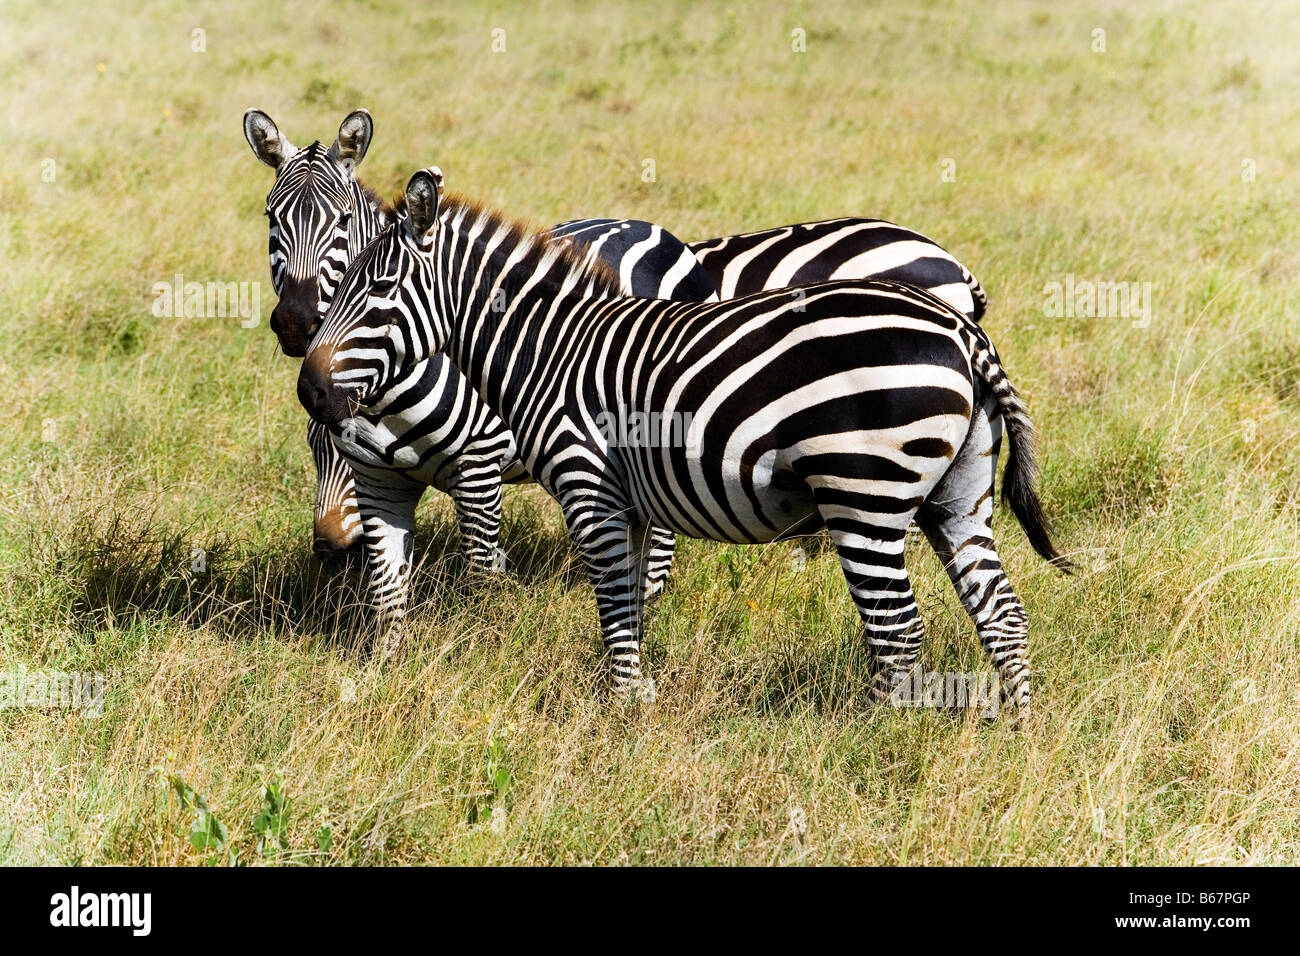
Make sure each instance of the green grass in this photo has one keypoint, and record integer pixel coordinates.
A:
(1166, 719)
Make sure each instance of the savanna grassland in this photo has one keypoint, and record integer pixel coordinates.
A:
(1167, 724)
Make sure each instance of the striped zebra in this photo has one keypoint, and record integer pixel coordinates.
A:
(650, 262)
(854, 405)
(320, 216)
(837, 249)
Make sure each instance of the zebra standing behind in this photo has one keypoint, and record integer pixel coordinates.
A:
(854, 405)
(320, 216)
(837, 249)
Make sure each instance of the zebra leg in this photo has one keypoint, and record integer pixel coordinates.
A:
(872, 561)
(615, 553)
(957, 518)
(388, 531)
(659, 561)
(476, 492)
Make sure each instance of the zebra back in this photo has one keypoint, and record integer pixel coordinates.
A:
(650, 261)
(848, 248)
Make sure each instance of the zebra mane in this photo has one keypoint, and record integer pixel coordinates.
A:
(523, 238)
(385, 209)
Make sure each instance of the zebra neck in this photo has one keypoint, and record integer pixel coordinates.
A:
(500, 298)
(369, 218)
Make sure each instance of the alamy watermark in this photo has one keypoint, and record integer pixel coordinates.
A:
(950, 690)
(53, 690)
(1084, 298)
(638, 429)
(177, 299)
(129, 910)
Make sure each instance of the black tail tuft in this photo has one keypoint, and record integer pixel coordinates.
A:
(1019, 492)
(1020, 479)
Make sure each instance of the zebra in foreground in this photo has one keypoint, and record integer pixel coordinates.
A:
(320, 216)
(857, 405)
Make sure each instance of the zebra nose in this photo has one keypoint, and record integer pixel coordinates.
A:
(293, 330)
(296, 317)
(316, 391)
(331, 547)
(333, 536)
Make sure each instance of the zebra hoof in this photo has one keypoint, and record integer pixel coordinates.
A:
(1020, 716)
(646, 691)
(640, 689)
(390, 646)
(654, 589)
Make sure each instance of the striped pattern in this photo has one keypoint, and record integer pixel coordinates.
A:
(320, 216)
(838, 249)
(650, 261)
(370, 479)
(860, 406)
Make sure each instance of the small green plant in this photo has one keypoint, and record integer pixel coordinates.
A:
(272, 823)
(206, 831)
(499, 779)
(737, 563)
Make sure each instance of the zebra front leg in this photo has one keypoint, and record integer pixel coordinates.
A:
(615, 553)
(388, 531)
(475, 490)
(659, 561)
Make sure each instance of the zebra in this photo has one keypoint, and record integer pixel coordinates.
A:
(650, 261)
(853, 405)
(847, 248)
(320, 216)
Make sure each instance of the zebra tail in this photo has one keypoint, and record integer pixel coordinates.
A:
(1020, 478)
(977, 293)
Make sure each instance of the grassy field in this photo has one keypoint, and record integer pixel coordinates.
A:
(1167, 725)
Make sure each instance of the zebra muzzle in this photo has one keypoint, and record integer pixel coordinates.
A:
(296, 317)
(322, 399)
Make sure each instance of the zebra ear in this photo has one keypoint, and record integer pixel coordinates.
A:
(269, 144)
(422, 201)
(355, 133)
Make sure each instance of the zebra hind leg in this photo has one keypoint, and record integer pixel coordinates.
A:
(872, 560)
(957, 518)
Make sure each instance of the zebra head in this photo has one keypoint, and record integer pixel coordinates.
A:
(336, 519)
(310, 209)
(381, 320)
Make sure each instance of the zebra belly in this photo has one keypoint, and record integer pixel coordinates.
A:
(881, 477)
(809, 415)
(762, 503)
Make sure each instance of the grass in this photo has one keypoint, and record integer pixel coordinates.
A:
(1167, 725)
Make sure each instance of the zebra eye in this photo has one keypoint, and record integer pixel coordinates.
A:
(382, 287)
